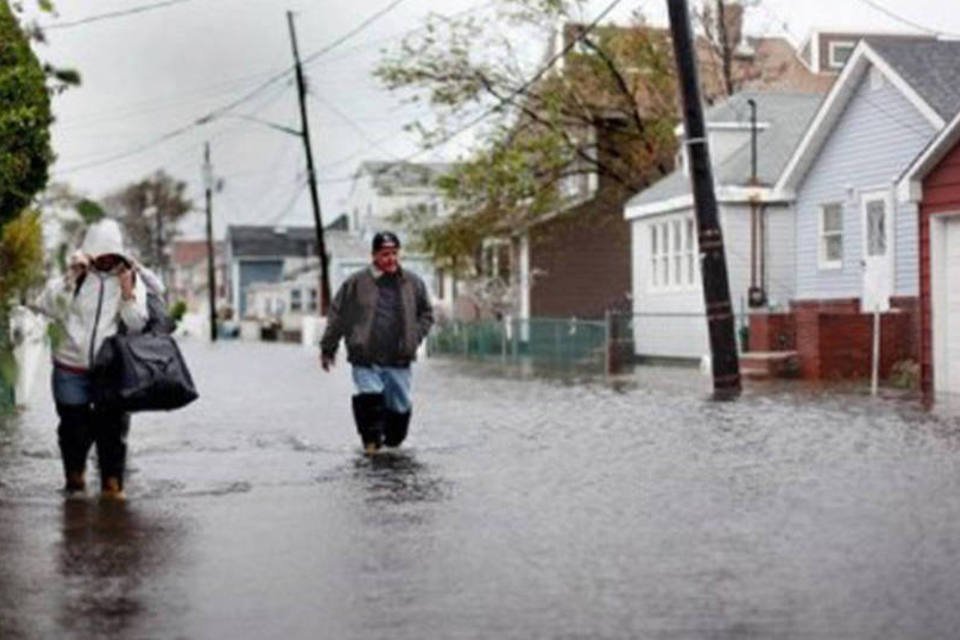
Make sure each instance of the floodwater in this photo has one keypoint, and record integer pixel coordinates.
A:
(522, 507)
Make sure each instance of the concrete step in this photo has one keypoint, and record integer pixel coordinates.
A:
(761, 365)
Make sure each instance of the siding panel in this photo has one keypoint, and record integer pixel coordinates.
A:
(874, 140)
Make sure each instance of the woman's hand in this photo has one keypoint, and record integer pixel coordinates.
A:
(126, 283)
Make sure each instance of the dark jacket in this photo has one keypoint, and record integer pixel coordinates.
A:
(352, 312)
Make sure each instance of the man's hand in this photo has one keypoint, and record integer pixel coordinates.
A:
(326, 361)
(126, 283)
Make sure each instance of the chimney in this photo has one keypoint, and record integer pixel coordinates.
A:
(733, 21)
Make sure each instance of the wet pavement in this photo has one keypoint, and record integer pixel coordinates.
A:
(523, 507)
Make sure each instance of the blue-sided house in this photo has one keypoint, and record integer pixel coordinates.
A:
(856, 238)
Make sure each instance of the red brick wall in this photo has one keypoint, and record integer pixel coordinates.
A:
(773, 332)
(846, 344)
(941, 194)
(835, 341)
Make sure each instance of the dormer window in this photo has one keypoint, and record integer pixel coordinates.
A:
(838, 53)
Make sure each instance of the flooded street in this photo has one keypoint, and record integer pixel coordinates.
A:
(520, 508)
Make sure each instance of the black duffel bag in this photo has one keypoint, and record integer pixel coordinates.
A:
(143, 371)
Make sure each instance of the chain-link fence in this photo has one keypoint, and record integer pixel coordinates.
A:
(557, 343)
(611, 345)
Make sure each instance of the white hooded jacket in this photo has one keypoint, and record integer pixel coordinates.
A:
(90, 314)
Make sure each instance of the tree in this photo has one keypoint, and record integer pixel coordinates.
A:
(149, 211)
(25, 120)
(606, 106)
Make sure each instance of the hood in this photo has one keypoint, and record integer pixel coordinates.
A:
(103, 237)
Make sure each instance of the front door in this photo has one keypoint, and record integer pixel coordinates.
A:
(877, 215)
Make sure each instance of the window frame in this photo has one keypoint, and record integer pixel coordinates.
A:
(824, 263)
(832, 47)
(672, 263)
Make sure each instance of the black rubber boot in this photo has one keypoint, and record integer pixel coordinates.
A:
(395, 427)
(368, 412)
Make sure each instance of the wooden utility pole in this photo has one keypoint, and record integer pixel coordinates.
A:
(211, 270)
(311, 175)
(713, 263)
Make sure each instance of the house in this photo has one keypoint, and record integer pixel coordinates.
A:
(382, 190)
(758, 226)
(857, 240)
(575, 261)
(262, 254)
(827, 51)
(286, 301)
(932, 183)
(188, 274)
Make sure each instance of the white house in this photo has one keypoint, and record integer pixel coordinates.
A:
(381, 190)
(758, 225)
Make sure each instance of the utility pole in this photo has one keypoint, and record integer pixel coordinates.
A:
(713, 263)
(211, 270)
(311, 174)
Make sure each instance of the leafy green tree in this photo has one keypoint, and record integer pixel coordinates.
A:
(606, 108)
(25, 119)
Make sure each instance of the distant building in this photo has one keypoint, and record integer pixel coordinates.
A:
(188, 274)
(262, 254)
(381, 190)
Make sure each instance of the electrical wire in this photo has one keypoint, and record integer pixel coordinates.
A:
(910, 23)
(222, 110)
(113, 14)
(505, 100)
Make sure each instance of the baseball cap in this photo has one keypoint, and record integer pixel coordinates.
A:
(385, 239)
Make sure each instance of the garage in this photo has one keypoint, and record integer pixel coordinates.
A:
(931, 188)
(947, 330)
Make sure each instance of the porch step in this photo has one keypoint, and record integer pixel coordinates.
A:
(761, 365)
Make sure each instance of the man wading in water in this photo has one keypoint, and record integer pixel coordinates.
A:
(383, 313)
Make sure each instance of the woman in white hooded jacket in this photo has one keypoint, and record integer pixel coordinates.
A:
(100, 290)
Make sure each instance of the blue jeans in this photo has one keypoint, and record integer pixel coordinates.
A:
(392, 382)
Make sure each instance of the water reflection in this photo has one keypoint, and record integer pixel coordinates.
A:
(397, 477)
(107, 555)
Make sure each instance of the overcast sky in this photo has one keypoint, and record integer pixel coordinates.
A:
(151, 73)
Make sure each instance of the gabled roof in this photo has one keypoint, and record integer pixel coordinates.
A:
(188, 252)
(271, 242)
(932, 68)
(910, 185)
(917, 69)
(786, 116)
(404, 174)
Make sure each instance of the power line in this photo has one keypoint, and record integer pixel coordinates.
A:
(360, 27)
(216, 113)
(504, 101)
(916, 25)
(110, 15)
(288, 207)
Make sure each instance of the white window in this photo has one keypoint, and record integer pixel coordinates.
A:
(839, 52)
(673, 264)
(313, 300)
(296, 300)
(831, 236)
